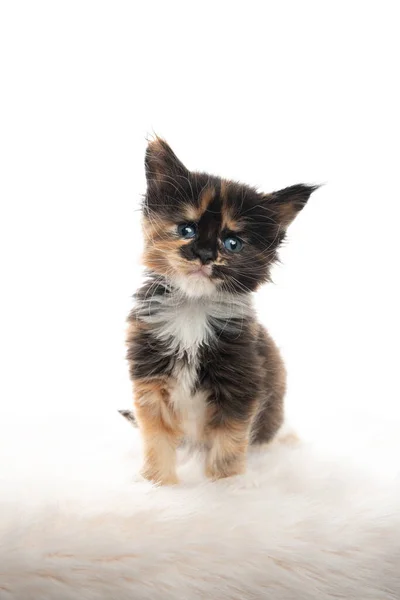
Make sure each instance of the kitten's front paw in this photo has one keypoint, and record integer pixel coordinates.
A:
(159, 478)
(215, 472)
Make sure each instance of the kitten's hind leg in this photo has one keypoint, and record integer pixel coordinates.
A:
(269, 419)
(270, 413)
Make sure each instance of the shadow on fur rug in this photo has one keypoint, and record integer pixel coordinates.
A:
(76, 522)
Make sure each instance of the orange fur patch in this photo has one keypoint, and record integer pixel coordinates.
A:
(134, 325)
(229, 221)
(161, 244)
(194, 213)
(206, 197)
(159, 428)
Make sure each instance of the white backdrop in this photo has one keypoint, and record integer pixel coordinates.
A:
(272, 93)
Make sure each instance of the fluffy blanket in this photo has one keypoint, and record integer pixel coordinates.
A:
(76, 522)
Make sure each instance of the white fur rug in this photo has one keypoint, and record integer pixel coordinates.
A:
(76, 523)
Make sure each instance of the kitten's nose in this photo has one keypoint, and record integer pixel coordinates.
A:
(206, 255)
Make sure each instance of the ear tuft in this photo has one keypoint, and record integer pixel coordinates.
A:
(298, 194)
(290, 201)
(162, 165)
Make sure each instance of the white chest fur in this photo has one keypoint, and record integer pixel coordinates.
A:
(185, 325)
(189, 405)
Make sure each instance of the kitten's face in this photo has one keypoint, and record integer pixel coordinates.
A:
(206, 234)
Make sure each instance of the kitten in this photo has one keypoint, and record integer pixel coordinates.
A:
(203, 369)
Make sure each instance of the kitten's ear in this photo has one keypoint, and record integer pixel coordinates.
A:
(287, 203)
(163, 167)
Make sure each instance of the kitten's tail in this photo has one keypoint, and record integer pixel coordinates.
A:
(129, 416)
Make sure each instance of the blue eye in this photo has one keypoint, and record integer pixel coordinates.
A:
(187, 230)
(233, 244)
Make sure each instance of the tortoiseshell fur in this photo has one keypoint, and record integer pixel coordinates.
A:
(203, 369)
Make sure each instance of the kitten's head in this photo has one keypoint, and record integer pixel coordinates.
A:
(206, 234)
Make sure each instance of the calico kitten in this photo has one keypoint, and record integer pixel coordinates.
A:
(203, 369)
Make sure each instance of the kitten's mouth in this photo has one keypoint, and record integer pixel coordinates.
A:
(201, 271)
